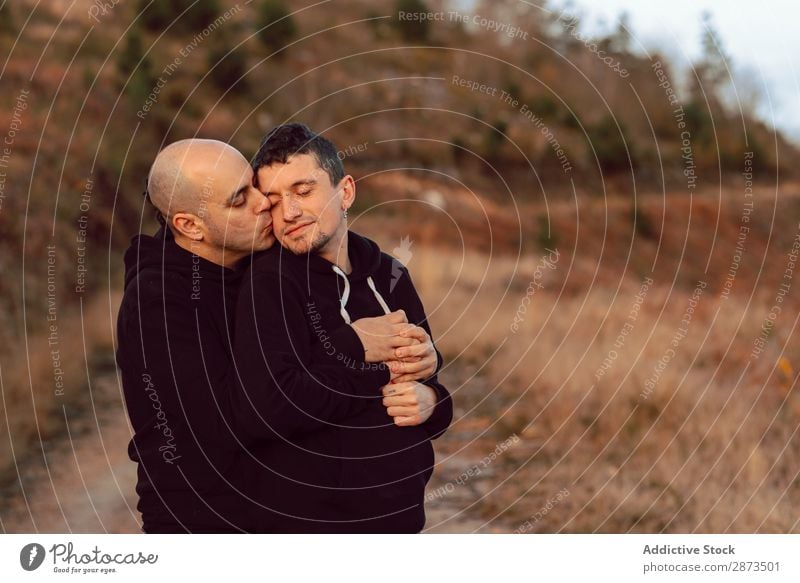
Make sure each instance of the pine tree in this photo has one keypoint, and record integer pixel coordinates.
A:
(135, 67)
(620, 39)
(184, 16)
(410, 29)
(7, 26)
(226, 65)
(712, 71)
(132, 55)
(276, 27)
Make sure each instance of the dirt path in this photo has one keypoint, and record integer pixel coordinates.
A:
(83, 482)
(460, 496)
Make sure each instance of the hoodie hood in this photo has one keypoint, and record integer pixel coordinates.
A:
(365, 258)
(162, 253)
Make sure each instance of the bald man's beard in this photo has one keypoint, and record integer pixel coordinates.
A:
(225, 239)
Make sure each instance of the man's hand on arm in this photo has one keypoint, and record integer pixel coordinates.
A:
(280, 385)
(405, 348)
(409, 403)
(380, 336)
(434, 401)
(415, 362)
(411, 356)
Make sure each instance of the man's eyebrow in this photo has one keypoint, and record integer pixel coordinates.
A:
(305, 182)
(301, 182)
(236, 194)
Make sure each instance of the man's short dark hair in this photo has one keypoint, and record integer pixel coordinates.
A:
(287, 140)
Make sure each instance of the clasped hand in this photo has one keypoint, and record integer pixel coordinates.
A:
(409, 353)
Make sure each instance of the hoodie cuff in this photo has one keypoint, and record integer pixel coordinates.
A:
(373, 374)
(442, 414)
(346, 341)
(377, 376)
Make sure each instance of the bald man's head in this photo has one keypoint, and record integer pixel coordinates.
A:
(184, 172)
(204, 189)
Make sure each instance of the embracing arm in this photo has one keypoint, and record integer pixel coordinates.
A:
(280, 386)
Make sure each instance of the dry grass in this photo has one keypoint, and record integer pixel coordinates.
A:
(709, 449)
(31, 408)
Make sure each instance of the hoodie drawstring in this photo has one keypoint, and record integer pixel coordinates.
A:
(378, 296)
(346, 295)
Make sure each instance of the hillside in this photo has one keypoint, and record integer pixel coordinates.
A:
(488, 140)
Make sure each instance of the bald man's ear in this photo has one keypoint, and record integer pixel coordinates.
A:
(188, 225)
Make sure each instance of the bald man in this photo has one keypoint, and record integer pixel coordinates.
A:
(196, 429)
(173, 352)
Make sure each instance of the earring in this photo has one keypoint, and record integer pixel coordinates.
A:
(344, 214)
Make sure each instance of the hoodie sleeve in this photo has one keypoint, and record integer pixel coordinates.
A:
(405, 297)
(282, 387)
(172, 398)
(347, 342)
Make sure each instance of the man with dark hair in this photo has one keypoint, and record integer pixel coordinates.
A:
(196, 434)
(284, 141)
(364, 471)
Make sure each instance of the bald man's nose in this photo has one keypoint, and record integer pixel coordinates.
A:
(263, 204)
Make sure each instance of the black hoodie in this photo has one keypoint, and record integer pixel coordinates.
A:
(354, 471)
(195, 431)
(174, 356)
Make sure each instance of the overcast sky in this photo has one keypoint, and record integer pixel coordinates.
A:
(763, 40)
